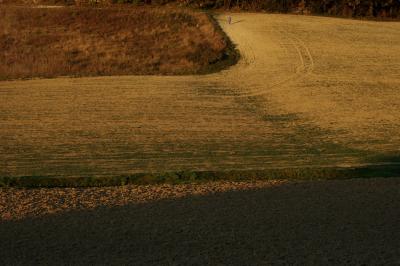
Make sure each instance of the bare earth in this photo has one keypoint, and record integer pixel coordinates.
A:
(16, 204)
(352, 222)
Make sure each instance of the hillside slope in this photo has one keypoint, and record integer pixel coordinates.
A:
(44, 42)
(307, 92)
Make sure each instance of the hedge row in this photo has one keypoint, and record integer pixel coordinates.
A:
(346, 8)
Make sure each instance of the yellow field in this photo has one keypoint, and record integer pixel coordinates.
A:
(308, 91)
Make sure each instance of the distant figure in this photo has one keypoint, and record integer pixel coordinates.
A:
(229, 19)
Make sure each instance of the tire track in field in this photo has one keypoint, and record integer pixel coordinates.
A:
(249, 62)
(305, 67)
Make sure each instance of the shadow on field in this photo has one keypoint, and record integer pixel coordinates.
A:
(318, 222)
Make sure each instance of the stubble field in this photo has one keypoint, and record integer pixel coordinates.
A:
(307, 92)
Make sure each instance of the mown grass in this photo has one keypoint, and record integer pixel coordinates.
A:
(85, 41)
(182, 177)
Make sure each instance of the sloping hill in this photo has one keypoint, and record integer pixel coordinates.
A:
(43, 42)
(307, 92)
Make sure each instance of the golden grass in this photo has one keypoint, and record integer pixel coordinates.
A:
(308, 92)
(43, 42)
(341, 76)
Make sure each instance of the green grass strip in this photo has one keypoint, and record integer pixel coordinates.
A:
(183, 177)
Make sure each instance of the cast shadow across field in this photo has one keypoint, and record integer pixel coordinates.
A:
(318, 222)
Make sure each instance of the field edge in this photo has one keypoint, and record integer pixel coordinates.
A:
(227, 56)
(231, 54)
(186, 177)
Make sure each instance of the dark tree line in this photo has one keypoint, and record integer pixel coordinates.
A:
(367, 8)
(354, 8)
(347, 8)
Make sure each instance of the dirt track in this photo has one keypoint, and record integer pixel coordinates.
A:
(309, 91)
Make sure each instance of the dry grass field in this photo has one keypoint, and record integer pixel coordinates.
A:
(49, 42)
(308, 92)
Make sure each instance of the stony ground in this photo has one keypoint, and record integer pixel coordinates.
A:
(351, 222)
(16, 203)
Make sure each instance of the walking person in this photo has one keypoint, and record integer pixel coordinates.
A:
(229, 19)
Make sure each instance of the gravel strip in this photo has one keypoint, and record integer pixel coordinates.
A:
(340, 222)
(16, 203)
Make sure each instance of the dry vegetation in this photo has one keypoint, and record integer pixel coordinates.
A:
(39, 42)
(308, 92)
